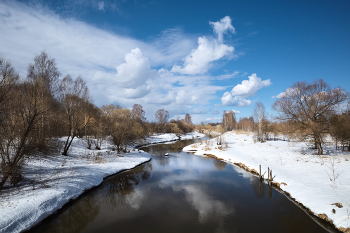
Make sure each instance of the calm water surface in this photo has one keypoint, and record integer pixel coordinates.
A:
(181, 193)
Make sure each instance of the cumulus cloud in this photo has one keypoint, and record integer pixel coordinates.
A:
(159, 98)
(200, 59)
(228, 100)
(138, 92)
(135, 71)
(222, 27)
(249, 88)
(115, 69)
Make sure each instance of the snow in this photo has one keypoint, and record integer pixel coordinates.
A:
(55, 180)
(169, 137)
(315, 181)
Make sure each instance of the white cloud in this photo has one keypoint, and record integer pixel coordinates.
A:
(115, 69)
(205, 204)
(137, 92)
(228, 100)
(200, 110)
(226, 76)
(213, 119)
(172, 45)
(220, 28)
(249, 88)
(200, 59)
(135, 71)
(158, 98)
(101, 6)
(288, 91)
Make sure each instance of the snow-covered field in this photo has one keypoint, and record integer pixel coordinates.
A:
(54, 180)
(318, 182)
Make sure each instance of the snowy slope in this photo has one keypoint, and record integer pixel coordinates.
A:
(315, 181)
(57, 179)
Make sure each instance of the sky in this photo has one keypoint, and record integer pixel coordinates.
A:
(196, 57)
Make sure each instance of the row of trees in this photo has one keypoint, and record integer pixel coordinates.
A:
(306, 111)
(37, 110)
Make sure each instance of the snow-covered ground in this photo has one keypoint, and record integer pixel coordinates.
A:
(54, 180)
(318, 182)
(169, 137)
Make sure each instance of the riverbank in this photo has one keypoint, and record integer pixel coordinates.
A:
(52, 181)
(320, 183)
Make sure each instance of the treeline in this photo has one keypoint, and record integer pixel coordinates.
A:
(309, 112)
(38, 109)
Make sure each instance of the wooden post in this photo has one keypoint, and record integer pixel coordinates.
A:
(260, 172)
(268, 175)
(271, 175)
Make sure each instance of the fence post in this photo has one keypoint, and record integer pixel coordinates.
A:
(260, 172)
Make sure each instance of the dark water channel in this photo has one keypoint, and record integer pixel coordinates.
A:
(181, 193)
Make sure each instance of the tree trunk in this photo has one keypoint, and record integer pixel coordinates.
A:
(66, 148)
(3, 181)
(319, 148)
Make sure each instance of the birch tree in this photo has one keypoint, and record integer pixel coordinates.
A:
(78, 110)
(260, 117)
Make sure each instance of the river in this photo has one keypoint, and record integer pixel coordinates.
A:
(181, 192)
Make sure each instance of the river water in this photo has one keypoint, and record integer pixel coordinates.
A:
(181, 193)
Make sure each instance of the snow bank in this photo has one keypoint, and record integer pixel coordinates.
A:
(318, 182)
(53, 181)
(169, 137)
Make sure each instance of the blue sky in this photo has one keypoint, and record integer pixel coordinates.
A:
(197, 57)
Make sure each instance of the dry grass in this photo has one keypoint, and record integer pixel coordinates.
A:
(240, 132)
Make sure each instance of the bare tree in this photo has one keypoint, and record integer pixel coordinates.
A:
(260, 117)
(228, 120)
(8, 79)
(107, 118)
(246, 124)
(45, 69)
(162, 116)
(78, 110)
(21, 127)
(188, 119)
(137, 111)
(308, 108)
(44, 74)
(126, 128)
(340, 129)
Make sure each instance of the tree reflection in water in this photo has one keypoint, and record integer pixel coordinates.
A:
(191, 194)
(75, 219)
(117, 192)
(220, 165)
